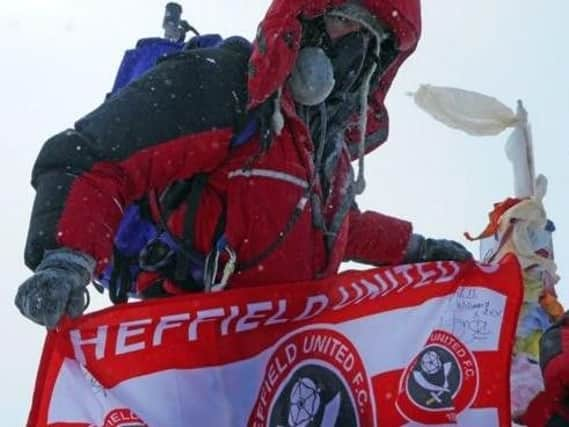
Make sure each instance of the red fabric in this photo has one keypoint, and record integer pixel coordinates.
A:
(170, 360)
(556, 374)
(553, 400)
(539, 411)
(97, 199)
(542, 409)
(258, 209)
(278, 42)
(376, 238)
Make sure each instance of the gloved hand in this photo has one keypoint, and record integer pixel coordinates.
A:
(420, 249)
(550, 408)
(57, 287)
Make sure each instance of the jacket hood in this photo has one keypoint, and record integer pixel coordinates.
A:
(277, 44)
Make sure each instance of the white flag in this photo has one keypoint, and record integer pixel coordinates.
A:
(471, 112)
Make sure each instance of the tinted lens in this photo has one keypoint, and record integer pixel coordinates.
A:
(347, 55)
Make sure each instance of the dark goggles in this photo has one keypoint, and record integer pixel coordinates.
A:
(351, 55)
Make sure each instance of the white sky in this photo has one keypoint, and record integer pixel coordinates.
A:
(59, 58)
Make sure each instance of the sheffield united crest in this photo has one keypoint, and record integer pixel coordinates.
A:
(440, 382)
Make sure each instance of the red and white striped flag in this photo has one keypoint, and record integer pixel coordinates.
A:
(409, 345)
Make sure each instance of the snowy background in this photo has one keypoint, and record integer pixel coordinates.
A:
(59, 58)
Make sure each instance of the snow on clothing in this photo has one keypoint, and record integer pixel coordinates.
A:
(178, 120)
(278, 42)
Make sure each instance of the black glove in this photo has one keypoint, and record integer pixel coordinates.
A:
(420, 249)
(57, 287)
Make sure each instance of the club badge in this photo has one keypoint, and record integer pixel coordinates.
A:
(440, 382)
(314, 378)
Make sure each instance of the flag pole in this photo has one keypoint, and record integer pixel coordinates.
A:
(519, 150)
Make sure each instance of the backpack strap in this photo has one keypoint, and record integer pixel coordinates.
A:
(121, 280)
(197, 184)
(174, 258)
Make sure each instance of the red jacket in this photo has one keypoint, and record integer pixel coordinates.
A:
(178, 120)
(550, 408)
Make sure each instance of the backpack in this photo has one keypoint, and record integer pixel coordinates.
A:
(143, 242)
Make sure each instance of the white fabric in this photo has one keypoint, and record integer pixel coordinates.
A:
(526, 383)
(519, 150)
(156, 397)
(271, 174)
(226, 359)
(471, 112)
(528, 219)
(482, 115)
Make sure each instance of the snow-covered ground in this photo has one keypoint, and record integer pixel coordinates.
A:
(59, 59)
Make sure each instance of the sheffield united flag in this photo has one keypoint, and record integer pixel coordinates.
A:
(421, 344)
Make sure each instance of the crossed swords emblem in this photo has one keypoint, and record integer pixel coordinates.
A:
(435, 390)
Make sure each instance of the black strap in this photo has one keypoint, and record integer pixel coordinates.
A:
(120, 280)
(145, 211)
(183, 259)
(174, 196)
(198, 184)
(190, 190)
(219, 227)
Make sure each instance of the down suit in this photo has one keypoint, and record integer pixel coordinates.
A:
(180, 119)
